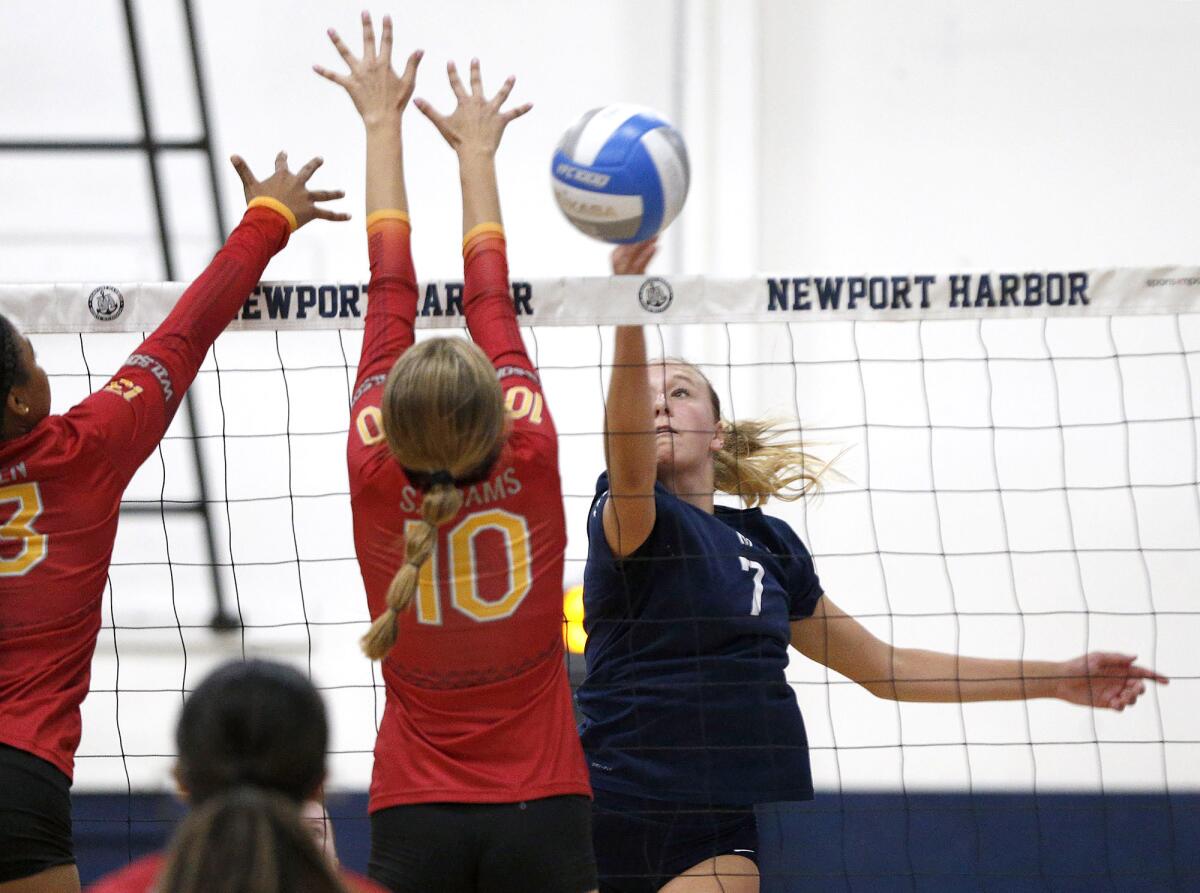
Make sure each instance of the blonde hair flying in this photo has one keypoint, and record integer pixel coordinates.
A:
(444, 421)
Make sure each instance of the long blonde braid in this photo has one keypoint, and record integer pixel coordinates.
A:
(444, 419)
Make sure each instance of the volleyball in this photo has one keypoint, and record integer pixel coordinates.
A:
(620, 174)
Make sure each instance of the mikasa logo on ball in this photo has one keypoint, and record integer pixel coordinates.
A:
(106, 303)
(655, 295)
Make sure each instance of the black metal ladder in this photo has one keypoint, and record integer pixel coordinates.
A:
(152, 148)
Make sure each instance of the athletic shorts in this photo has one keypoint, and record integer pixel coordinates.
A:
(642, 844)
(537, 846)
(35, 815)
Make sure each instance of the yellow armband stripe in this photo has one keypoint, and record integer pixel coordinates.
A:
(483, 229)
(265, 201)
(387, 214)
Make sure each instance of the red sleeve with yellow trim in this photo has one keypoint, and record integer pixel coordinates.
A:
(391, 299)
(487, 303)
(132, 412)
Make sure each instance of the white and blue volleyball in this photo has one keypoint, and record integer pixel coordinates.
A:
(621, 173)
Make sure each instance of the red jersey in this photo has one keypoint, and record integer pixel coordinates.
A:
(60, 489)
(478, 707)
(142, 875)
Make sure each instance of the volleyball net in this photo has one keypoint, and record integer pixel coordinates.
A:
(1018, 478)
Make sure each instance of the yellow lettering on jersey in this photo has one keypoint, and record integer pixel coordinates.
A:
(19, 526)
(429, 609)
(522, 402)
(370, 425)
(124, 387)
(464, 588)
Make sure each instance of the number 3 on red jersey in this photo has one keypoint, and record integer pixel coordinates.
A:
(20, 506)
(464, 587)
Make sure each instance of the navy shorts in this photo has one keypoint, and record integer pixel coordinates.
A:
(538, 846)
(642, 844)
(35, 815)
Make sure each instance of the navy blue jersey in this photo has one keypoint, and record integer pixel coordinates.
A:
(685, 697)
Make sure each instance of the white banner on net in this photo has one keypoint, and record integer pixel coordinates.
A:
(138, 307)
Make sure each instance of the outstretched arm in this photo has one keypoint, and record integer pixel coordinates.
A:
(379, 96)
(474, 130)
(629, 439)
(135, 408)
(835, 639)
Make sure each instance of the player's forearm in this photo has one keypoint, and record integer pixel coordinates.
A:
(392, 297)
(487, 304)
(629, 412)
(918, 675)
(480, 192)
(210, 302)
(385, 166)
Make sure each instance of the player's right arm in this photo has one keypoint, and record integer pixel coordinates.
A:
(380, 96)
(629, 446)
(837, 640)
(474, 131)
(132, 412)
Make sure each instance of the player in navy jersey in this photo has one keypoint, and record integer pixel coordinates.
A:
(61, 481)
(479, 782)
(688, 720)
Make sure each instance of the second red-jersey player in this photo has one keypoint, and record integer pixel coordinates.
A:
(478, 708)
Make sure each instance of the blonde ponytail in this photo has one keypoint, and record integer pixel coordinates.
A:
(441, 504)
(754, 465)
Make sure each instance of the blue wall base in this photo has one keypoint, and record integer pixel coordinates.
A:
(856, 843)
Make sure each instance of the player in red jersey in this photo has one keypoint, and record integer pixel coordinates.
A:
(61, 480)
(249, 725)
(479, 780)
(247, 841)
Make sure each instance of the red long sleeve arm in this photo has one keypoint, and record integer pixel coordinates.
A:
(132, 412)
(487, 304)
(492, 321)
(391, 305)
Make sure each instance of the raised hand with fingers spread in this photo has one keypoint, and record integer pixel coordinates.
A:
(290, 190)
(379, 94)
(477, 123)
(473, 130)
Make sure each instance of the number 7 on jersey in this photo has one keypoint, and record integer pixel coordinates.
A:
(748, 564)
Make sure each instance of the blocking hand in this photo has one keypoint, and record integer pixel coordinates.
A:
(291, 189)
(476, 124)
(378, 93)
